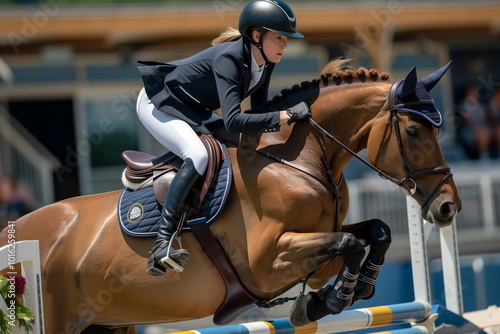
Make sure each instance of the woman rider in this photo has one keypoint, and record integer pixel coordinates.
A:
(183, 93)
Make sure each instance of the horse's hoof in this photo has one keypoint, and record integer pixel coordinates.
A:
(298, 312)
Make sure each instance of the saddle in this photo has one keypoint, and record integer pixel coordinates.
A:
(144, 170)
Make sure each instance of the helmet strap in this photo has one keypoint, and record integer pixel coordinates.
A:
(260, 44)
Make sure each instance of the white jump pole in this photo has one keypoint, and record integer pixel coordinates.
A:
(350, 320)
(419, 261)
(451, 269)
(418, 250)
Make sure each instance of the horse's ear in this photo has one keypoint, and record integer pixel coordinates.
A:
(409, 83)
(431, 81)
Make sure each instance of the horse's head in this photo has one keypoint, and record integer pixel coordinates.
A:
(398, 124)
(409, 134)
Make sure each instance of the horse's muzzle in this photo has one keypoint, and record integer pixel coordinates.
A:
(441, 211)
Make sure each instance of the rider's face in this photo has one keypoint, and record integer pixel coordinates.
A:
(274, 45)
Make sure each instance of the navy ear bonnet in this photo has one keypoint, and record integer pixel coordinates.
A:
(415, 93)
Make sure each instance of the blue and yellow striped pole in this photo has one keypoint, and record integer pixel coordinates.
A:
(346, 321)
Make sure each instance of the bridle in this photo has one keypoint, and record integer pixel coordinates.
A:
(410, 175)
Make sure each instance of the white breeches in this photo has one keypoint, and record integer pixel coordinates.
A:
(175, 134)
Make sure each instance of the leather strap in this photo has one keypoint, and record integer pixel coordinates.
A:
(238, 299)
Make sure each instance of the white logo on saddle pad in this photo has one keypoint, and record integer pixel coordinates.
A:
(135, 213)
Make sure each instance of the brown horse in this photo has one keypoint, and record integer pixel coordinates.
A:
(279, 225)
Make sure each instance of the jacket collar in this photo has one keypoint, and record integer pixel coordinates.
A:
(247, 64)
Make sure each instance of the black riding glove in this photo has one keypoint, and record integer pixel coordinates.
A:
(298, 112)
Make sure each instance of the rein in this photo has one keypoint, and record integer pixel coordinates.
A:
(332, 138)
(409, 175)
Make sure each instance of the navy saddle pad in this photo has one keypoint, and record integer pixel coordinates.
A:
(139, 212)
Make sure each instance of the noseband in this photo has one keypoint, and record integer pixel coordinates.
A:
(410, 175)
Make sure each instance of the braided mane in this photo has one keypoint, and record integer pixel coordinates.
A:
(334, 70)
(337, 72)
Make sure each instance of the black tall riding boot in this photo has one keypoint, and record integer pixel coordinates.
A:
(163, 255)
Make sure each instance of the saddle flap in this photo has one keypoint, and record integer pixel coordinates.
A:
(215, 158)
(161, 182)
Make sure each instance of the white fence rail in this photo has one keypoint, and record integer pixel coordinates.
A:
(27, 254)
(479, 191)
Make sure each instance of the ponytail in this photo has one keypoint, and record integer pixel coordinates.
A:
(228, 35)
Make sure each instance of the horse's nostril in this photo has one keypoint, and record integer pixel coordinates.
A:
(448, 209)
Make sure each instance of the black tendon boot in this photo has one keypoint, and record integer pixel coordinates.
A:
(367, 277)
(342, 292)
(380, 236)
(163, 255)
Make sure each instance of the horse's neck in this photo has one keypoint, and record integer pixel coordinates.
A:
(350, 113)
(344, 111)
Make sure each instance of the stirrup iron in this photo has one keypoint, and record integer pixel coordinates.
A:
(167, 260)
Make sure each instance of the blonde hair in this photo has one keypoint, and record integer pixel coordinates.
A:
(228, 35)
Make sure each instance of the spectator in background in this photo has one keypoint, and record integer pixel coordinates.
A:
(494, 116)
(475, 131)
(13, 203)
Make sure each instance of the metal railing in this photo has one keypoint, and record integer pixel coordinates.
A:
(26, 160)
(479, 191)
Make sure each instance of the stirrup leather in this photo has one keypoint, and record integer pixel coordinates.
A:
(167, 260)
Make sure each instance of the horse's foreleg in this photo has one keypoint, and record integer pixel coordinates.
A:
(303, 252)
(298, 254)
(331, 299)
(378, 235)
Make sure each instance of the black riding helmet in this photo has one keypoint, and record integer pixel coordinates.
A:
(270, 15)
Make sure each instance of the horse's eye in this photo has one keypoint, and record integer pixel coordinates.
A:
(412, 131)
